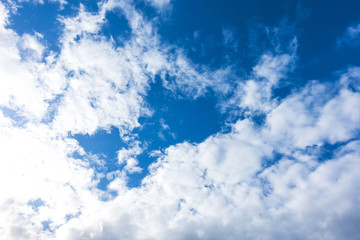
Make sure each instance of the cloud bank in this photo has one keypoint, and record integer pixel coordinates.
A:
(269, 180)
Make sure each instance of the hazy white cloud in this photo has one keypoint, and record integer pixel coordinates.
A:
(354, 31)
(14, 5)
(351, 36)
(4, 15)
(159, 4)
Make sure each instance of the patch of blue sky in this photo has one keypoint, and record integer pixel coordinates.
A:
(188, 119)
(36, 204)
(174, 120)
(68, 217)
(52, 109)
(47, 226)
(200, 27)
(116, 27)
(270, 161)
(329, 151)
(209, 17)
(40, 18)
(318, 34)
(43, 18)
(318, 153)
(18, 119)
(105, 144)
(150, 13)
(99, 142)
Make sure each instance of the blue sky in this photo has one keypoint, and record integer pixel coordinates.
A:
(169, 119)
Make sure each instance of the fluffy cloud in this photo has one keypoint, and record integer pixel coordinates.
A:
(253, 182)
(40, 182)
(256, 94)
(309, 117)
(225, 186)
(233, 185)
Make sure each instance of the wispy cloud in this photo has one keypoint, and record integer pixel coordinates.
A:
(351, 36)
(160, 5)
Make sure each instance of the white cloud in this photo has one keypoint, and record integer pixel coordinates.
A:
(229, 186)
(109, 95)
(203, 191)
(36, 165)
(314, 116)
(256, 93)
(31, 47)
(71, 92)
(4, 15)
(128, 156)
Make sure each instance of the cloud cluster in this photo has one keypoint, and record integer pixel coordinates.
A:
(268, 181)
(235, 185)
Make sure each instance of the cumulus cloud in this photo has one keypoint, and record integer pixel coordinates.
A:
(225, 186)
(205, 190)
(252, 182)
(309, 117)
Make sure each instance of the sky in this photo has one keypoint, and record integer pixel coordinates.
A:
(179, 119)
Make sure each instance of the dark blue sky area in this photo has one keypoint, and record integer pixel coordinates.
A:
(316, 24)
